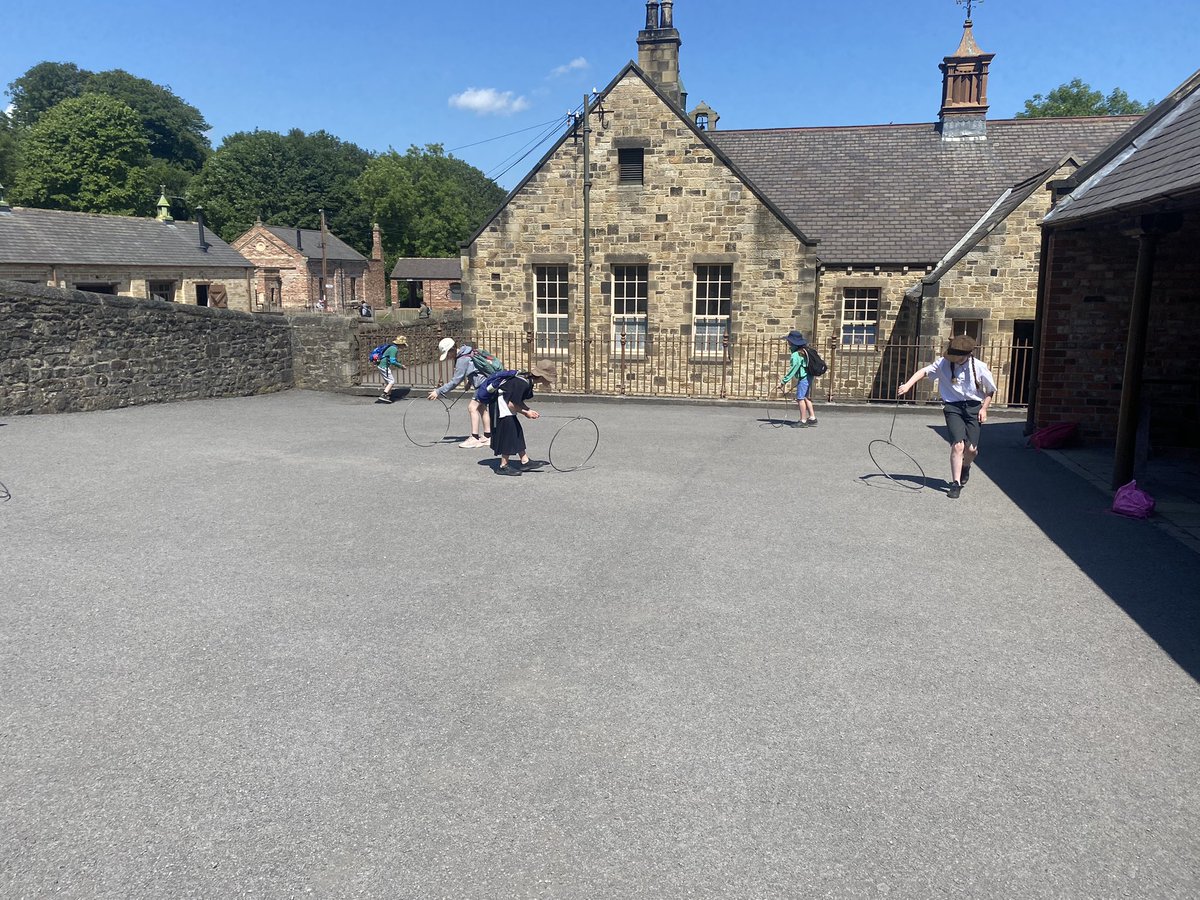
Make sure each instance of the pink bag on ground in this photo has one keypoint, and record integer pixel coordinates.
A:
(1131, 501)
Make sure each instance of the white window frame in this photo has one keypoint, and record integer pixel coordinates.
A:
(970, 327)
(630, 286)
(860, 316)
(712, 303)
(552, 305)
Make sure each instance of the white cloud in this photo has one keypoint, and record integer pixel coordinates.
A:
(577, 63)
(489, 102)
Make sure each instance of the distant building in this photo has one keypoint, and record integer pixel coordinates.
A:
(160, 259)
(288, 267)
(713, 242)
(436, 280)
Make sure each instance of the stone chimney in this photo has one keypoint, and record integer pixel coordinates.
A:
(375, 278)
(376, 242)
(658, 49)
(963, 116)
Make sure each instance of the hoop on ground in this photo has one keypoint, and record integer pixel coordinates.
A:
(778, 402)
(426, 424)
(4, 494)
(574, 443)
(883, 448)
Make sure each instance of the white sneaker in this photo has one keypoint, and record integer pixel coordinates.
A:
(471, 443)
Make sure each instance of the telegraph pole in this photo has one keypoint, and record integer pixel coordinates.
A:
(324, 263)
(587, 249)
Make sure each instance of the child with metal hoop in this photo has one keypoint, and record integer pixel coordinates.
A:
(966, 387)
(798, 369)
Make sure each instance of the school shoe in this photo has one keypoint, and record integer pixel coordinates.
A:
(472, 442)
(507, 470)
(384, 398)
(812, 423)
(955, 490)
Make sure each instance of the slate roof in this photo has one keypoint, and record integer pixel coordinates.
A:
(432, 268)
(310, 240)
(1000, 210)
(54, 237)
(899, 193)
(1157, 159)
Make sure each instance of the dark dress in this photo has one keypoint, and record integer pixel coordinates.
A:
(508, 438)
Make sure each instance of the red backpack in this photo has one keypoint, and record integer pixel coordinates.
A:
(1049, 437)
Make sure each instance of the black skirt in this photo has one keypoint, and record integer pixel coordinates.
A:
(508, 438)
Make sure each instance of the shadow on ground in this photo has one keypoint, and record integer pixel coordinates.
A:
(1153, 578)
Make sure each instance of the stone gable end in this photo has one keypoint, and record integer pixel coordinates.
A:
(691, 209)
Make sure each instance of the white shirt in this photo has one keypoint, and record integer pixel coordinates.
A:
(955, 382)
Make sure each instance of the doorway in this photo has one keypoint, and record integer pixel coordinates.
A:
(202, 295)
(1020, 359)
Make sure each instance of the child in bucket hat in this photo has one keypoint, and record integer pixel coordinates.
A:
(798, 369)
(966, 386)
(507, 394)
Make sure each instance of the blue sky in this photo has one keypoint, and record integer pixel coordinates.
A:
(462, 72)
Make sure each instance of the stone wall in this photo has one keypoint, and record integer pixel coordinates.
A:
(690, 210)
(325, 350)
(1082, 363)
(69, 351)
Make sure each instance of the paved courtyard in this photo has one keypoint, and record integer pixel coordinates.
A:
(267, 647)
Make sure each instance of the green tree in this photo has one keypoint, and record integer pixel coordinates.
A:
(43, 87)
(87, 154)
(427, 203)
(8, 150)
(286, 179)
(1078, 99)
(175, 129)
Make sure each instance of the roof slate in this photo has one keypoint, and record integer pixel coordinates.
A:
(899, 193)
(310, 240)
(1157, 159)
(55, 237)
(432, 268)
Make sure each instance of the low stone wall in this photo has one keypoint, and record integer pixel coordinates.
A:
(70, 351)
(325, 349)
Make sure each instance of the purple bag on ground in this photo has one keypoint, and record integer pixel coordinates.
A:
(1130, 500)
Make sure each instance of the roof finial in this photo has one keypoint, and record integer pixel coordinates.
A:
(968, 4)
(163, 205)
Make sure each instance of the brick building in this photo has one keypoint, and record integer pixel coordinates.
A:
(436, 280)
(868, 238)
(153, 259)
(1120, 305)
(289, 264)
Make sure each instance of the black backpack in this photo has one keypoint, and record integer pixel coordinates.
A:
(816, 365)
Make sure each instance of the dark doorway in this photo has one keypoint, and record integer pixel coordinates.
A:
(97, 288)
(202, 295)
(1019, 360)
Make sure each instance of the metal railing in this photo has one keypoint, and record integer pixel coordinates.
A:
(669, 364)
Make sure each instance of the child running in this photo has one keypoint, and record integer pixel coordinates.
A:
(390, 360)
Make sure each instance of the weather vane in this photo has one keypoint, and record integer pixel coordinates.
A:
(968, 4)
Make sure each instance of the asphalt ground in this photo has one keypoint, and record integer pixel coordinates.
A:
(267, 647)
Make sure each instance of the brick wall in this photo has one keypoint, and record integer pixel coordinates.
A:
(1089, 290)
(690, 210)
(68, 351)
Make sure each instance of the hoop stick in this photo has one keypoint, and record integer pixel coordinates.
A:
(424, 442)
(877, 445)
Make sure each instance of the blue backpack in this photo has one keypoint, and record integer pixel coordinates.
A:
(377, 353)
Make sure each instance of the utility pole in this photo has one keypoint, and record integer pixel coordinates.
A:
(324, 263)
(587, 248)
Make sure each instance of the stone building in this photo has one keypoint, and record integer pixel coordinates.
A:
(154, 259)
(289, 264)
(870, 239)
(1120, 305)
(436, 280)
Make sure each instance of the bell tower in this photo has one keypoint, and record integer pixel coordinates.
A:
(963, 116)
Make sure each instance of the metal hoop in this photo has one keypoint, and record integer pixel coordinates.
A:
(888, 442)
(550, 450)
(445, 430)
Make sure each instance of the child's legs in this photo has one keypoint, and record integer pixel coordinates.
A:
(473, 408)
(802, 401)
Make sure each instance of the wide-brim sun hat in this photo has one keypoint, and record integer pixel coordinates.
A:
(962, 345)
(445, 345)
(401, 341)
(545, 369)
(796, 339)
